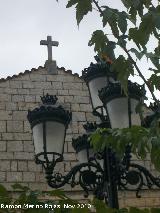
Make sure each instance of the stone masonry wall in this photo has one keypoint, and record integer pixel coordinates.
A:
(22, 92)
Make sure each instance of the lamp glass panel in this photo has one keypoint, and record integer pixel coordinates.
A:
(38, 139)
(135, 118)
(94, 86)
(118, 112)
(55, 136)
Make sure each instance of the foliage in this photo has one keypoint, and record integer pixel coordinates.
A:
(29, 201)
(134, 26)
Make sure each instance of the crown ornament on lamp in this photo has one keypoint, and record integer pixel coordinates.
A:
(49, 99)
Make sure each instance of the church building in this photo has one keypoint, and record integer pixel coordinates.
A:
(22, 92)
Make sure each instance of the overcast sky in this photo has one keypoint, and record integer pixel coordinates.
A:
(23, 23)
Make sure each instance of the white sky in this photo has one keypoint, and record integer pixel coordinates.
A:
(23, 23)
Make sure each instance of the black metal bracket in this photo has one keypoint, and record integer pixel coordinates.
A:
(93, 177)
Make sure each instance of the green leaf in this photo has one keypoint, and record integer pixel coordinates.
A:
(107, 15)
(82, 8)
(19, 186)
(127, 3)
(139, 55)
(155, 210)
(124, 68)
(71, 3)
(122, 22)
(99, 40)
(58, 193)
(154, 81)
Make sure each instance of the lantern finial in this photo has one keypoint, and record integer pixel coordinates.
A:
(49, 99)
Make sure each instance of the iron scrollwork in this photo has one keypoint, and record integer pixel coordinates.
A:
(92, 176)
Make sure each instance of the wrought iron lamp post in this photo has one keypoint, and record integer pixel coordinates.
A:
(101, 173)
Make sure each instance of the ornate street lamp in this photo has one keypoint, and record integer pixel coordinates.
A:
(96, 77)
(101, 173)
(121, 109)
(49, 124)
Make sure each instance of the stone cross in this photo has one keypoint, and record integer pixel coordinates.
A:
(49, 44)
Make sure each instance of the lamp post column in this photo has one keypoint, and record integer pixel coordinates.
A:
(110, 169)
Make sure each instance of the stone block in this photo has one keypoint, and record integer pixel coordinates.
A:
(74, 127)
(67, 166)
(50, 91)
(28, 85)
(37, 77)
(23, 91)
(84, 86)
(7, 136)
(23, 156)
(15, 84)
(33, 167)
(68, 99)
(17, 98)
(72, 86)
(35, 91)
(22, 166)
(64, 78)
(5, 165)
(28, 146)
(14, 126)
(57, 85)
(85, 107)
(2, 106)
(60, 99)
(11, 106)
(70, 147)
(28, 176)
(68, 137)
(27, 127)
(14, 146)
(10, 91)
(5, 115)
(78, 116)
(51, 77)
(42, 85)
(20, 115)
(30, 98)
(5, 97)
(81, 100)
(22, 136)
(78, 92)
(37, 186)
(14, 176)
(6, 155)
(62, 92)
(69, 156)
(75, 107)
(3, 146)
(90, 117)
(40, 178)
(2, 176)
(4, 84)
(24, 77)
(59, 168)
(13, 166)
(2, 126)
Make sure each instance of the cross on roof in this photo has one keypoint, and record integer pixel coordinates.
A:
(49, 44)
